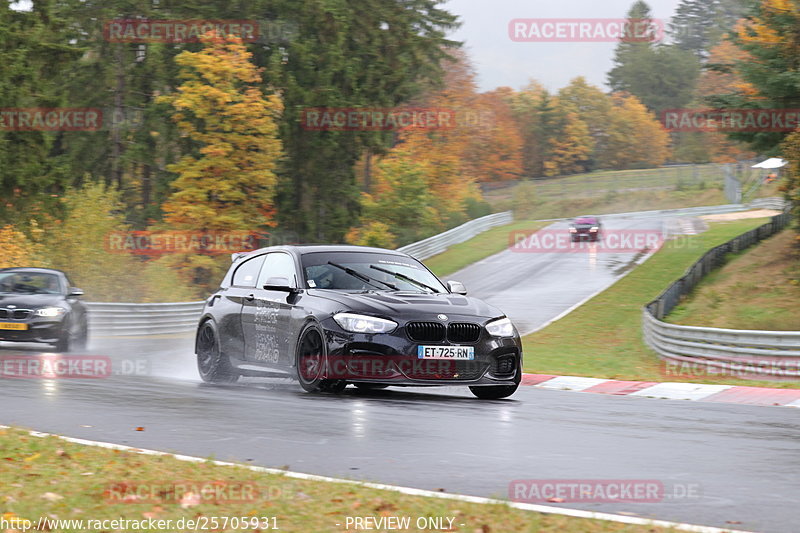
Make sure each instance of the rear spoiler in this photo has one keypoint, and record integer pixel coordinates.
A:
(237, 255)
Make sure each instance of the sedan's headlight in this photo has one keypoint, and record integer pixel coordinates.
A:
(573, 230)
(501, 328)
(50, 312)
(364, 324)
(593, 228)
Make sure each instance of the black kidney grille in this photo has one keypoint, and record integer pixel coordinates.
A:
(463, 332)
(425, 331)
(16, 314)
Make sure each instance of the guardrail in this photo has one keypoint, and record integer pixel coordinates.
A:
(748, 352)
(778, 204)
(439, 243)
(119, 319)
(115, 319)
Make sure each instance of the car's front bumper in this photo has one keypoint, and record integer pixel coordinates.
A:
(39, 329)
(392, 359)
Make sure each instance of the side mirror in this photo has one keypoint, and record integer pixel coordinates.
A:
(75, 292)
(280, 284)
(456, 287)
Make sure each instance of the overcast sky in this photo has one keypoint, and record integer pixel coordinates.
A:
(499, 61)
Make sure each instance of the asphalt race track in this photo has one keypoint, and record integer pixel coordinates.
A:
(739, 463)
(533, 285)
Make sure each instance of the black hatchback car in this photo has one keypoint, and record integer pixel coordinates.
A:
(41, 305)
(330, 316)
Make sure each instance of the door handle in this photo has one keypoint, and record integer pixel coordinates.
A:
(250, 297)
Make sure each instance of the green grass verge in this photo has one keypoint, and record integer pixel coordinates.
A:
(758, 288)
(603, 338)
(49, 477)
(481, 246)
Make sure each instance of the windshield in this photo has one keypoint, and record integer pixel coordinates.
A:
(586, 221)
(29, 282)
(360, 271)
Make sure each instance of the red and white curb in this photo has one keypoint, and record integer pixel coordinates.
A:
(668, 390)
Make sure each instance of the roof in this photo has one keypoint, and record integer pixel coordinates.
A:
(302, 249)
(33, 270)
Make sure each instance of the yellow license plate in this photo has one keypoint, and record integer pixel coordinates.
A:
(11, 325)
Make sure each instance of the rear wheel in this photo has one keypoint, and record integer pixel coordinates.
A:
(212, 364)
(312, 360)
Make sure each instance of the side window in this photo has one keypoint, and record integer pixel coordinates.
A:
(247, 273)
(278, 265)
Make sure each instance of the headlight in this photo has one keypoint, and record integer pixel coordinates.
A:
(50, 312)
(363, 323)
(573, 230)
(595, 228)
(501, 328)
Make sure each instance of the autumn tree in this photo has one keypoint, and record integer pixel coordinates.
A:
(791, 183)
(17, 249)
(635, 138)
(227, 181)
(593, 107)
(769, 36)
(495, 149)
(719, 77)
(77, 244)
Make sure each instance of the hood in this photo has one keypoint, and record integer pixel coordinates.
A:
(412, 305)
(31, 301)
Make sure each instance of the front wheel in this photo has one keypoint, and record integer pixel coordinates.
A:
(311, 362)
(212, 365)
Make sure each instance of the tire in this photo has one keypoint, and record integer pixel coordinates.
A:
(498, 392)
(311, 361)
(212, 365)
(64, 343)
(82, 340)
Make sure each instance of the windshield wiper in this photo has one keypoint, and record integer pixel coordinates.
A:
(362, 277)
(403, 277)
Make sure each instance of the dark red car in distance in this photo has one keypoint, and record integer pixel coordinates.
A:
(585, 228)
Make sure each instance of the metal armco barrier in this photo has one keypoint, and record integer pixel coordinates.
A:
(113, 319)
(439, 243)
(778, 204)
(774, 353)
(117, 319)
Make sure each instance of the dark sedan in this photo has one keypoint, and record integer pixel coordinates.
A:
(330, 316)
(41, 305)
(585, 228)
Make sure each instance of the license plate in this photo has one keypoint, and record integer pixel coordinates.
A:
(14, 326)
(464, 353)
